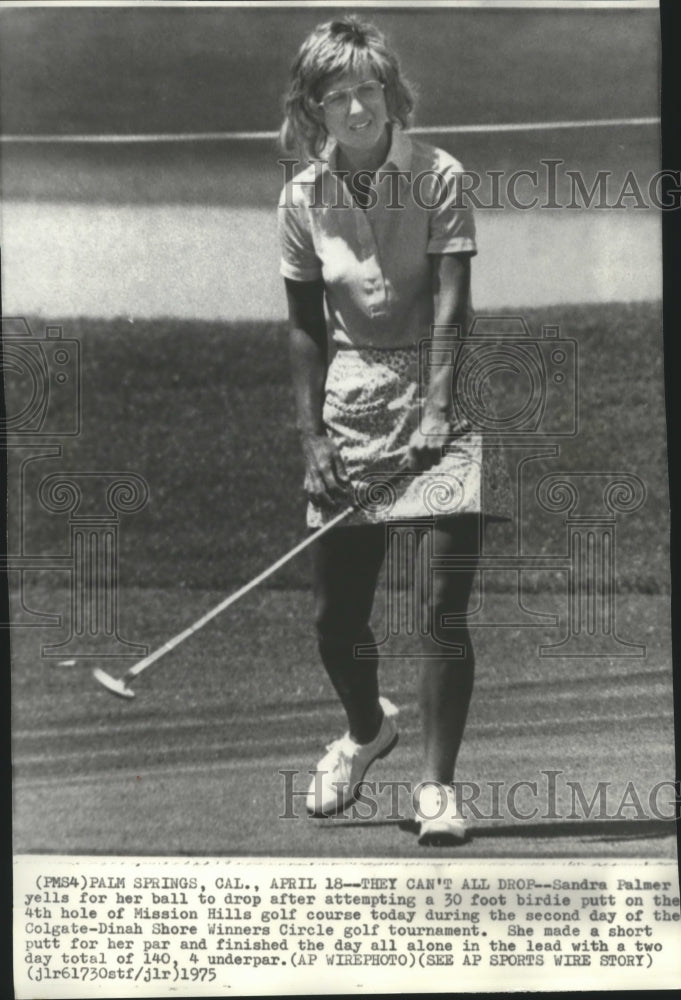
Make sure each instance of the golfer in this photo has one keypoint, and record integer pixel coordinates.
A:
(373, 233)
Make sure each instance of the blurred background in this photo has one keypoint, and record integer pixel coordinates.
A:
(187, 229)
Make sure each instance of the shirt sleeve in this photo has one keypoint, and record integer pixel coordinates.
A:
(298, 258)
(451, 222)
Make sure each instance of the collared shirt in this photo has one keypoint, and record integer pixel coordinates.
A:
(374, 261)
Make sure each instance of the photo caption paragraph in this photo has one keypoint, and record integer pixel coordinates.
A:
(142, 927)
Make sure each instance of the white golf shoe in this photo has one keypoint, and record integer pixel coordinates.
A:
(441, 822)
(343, 767)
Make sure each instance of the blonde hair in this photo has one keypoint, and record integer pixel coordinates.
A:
(346, 45)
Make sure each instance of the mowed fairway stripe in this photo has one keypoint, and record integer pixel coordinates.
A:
(282, 759)
(480, 729)
(140, 726)
(139, 773)
(644, 685)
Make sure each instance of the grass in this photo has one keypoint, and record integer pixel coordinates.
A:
(192, 764)
(148, 70)
(137, 70)
(204, 413)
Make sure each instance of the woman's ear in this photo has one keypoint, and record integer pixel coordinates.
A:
(314, 110)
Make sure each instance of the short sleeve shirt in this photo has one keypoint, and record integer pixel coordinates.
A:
(374, 261)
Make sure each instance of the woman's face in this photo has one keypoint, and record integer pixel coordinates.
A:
(354, 110)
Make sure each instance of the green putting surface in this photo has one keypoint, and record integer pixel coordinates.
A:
(193, 764)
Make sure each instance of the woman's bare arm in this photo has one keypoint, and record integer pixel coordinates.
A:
(326, 481)
(451, 287)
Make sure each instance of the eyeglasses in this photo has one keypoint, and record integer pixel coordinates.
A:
(338, 101)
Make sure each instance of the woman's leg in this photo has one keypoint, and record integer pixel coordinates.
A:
(345, 565)
(447, 675)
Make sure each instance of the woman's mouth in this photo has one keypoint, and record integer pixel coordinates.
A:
(360, 125)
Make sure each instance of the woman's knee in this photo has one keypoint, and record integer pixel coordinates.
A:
(339, 625)
(445, 615)
(448, 595)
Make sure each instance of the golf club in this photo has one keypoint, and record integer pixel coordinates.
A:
(120, 685)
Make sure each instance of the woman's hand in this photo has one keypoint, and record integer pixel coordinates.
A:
(326, 481)
(435, 430)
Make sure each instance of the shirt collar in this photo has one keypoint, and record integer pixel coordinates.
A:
(399, 154)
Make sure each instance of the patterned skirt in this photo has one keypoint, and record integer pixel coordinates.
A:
(371, 408)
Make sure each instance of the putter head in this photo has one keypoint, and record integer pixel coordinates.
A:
(116, 685)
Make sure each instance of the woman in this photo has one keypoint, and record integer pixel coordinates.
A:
(374, 229)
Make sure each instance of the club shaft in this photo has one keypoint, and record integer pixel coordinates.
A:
(137, 668)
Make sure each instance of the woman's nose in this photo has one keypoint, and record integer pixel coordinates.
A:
(356, 106)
